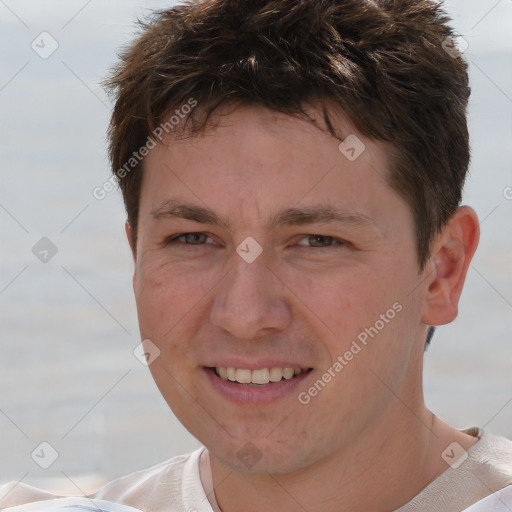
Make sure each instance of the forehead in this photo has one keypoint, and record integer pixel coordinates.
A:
(246, 120)
(254, 159)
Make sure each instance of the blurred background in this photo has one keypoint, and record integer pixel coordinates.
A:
(68, 376)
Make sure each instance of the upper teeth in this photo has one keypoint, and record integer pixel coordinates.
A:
(263, 376)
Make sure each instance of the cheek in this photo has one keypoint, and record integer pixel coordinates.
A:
(371, 306)
(168, 297)
(167, 306)
(342, 300)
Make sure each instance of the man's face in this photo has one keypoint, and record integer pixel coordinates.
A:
(324, 289)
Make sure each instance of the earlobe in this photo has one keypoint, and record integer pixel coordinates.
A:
(452, 251)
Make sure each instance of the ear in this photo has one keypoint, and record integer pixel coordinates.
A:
(131, 241)
(452, 251)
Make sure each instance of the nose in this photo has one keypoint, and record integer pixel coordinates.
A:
(251, 301)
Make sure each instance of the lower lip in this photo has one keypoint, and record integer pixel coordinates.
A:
(255, 394)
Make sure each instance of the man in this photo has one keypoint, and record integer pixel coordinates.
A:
(292, 173)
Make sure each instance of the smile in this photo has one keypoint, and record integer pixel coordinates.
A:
(258, 377)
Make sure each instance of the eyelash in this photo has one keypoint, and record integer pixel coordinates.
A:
(339, 241)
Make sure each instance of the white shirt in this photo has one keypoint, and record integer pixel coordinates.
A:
(483, 482)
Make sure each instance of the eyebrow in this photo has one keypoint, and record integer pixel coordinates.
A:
(316, 214)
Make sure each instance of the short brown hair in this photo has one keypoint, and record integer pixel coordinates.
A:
(383, 62)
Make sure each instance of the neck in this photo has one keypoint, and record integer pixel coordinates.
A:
(384, 468)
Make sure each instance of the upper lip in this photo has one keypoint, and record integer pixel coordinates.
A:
(256, 365)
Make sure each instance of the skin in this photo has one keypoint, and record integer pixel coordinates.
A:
(367, 440)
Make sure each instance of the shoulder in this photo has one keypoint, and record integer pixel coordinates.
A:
(171, 485)
(481, 479)
(18, 493)
(152, 488)
(493, 454)
(499, 501)
(155, 487)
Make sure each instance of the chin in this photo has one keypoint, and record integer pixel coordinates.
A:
(261, 455)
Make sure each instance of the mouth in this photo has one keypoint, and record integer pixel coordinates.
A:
(259, 377)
